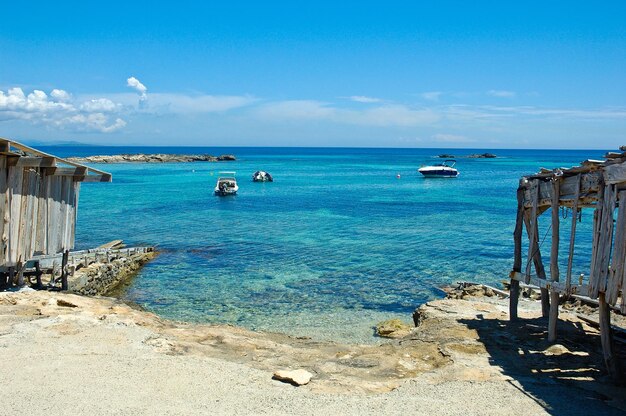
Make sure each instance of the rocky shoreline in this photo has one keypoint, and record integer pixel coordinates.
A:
(151, 158)
(470, 156)
(463, 357)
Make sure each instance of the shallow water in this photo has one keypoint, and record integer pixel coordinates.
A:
(334, 245)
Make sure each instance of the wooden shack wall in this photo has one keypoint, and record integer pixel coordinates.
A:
(38, 212)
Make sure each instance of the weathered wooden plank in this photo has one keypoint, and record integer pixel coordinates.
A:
(595, 245)
(616, 274)
(32, 161)
(606, 338)
(572, 238)
(517, 262)
(78, 171)
(548, 285)
(531, 226)
(603, 235)
(42, 217)
(587, 184)
(96, 178)
(14, 182)
(538, 262)
(615, 173)
(554, 262)
(4, 209)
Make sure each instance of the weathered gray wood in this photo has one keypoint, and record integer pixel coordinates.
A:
(14, 183)
(531, 226)
(603, 234)
(606, 338)
(64, 285)
(572, 238)
(547, 285)
(588, 188)
(32, 162)
(517, 262)
(554, 263)
(538, 262)
(96, 178)
(615, 173)
(4, 209)
(616, 274)
(78, 171)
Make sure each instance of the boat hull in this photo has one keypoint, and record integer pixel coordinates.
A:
(440, 174)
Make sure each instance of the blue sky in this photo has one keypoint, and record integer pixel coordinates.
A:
(395, 74)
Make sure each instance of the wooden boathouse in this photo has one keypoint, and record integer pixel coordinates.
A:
(596, 185)
(38, 201)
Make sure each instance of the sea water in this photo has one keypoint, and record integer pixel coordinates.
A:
(342, 239)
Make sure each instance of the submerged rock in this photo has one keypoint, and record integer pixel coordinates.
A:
(446, 156)
(298, 377)
(482, 156)
(393, 328)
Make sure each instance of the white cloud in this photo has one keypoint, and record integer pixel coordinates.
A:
(137, 85)
(452, 138)
(100, 104)
(364, 99)
(58, 110)
(180, 103)
(501, 93)
(60, 95)
(431, 95)
(383, 115)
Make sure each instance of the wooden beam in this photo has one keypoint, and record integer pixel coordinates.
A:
(517, 262)
(5, 146)
(79, 171)
(572, 238)
(531, 226)
(606, 338)
(547, 285)
(32, 161)
(554, 262)
(96, 178)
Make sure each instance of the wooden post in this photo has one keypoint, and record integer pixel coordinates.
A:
(517, 263)
(539, 268)
(20, 274)
(38, 274)
(531, 227)
(554, 261)
(606, 338)
(11, 272)
(64, 285)
(572, 237)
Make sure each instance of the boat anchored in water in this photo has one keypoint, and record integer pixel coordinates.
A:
(440, 170)
(226, 184)
(262, 176)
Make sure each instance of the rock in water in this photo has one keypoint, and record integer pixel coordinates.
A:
(393, 328)
(296, 377)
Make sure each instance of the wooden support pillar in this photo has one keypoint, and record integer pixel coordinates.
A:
(20, 274)
(38, 274)
(64, 285)
(606, 338)
(554, 261)
(11, 276)
(539, 268)
(517, 263)
(572, 238)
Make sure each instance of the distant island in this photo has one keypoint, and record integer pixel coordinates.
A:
(472, 156)
(150, 158)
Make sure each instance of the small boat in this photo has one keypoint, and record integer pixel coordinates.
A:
(226, 184)
(262, 176)
(440, 170)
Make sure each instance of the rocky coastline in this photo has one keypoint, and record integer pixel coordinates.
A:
(462, 357)
(470, 156)
(151, 158)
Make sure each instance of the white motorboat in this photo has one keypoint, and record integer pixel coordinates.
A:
(440, 170)
(226, 184)
(262, 176)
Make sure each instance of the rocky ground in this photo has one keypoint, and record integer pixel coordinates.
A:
(150, 158)
(66, 353)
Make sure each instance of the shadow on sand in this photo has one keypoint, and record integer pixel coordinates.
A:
(560, 377)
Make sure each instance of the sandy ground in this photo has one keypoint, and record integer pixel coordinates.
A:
(66, 354)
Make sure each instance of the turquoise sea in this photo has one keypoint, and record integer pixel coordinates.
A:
(335, 244)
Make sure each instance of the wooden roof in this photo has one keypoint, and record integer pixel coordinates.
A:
(22, 155)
